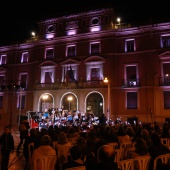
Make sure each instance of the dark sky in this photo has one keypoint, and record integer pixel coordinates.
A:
(18, 19)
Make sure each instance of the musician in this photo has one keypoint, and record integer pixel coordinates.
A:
(102, 119)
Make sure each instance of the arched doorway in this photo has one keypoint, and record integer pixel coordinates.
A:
(94, 103)
(69, 102)
(46, 102)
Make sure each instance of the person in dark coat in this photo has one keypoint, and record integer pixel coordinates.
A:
(23, 129)
(7, 146)
(102, 119)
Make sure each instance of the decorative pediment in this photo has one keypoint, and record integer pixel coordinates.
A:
(95, 59)
(165, 55)
(70, 62)
(48, 63)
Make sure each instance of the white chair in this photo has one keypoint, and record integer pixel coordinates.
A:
(119, 154)
(165, 158)
(142, 162)
(45, 162)
(127, 164)
(30, 149)
(77, 168)
(127, 146)
(113, 144)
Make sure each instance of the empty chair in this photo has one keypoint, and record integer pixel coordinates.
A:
(119, 154)
(45, 162)
(113, 144)
(142, 162)
(127, 164)
(165, 159)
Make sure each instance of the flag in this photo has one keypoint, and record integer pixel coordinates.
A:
(72, 74)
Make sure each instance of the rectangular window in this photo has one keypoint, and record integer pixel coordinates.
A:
(132, 102)
(71, 51)
(49, 53)
(95, 74)
(24, 58)
(22, 102)
(165, 41)
(23, 80)
(131, 79)
(166, 95)
(94, 48)
(3, 59)
(1, 100)
(130, 45)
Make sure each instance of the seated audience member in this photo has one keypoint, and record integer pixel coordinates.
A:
(62, 149)
(105, 159)
(141, 149)
(146, 136)
(91, 159)
(130, 131)
(44, 149)
(74, 159)
(122, 136)
(157, 149)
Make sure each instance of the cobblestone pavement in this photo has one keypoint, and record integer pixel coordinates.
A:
(17, 161)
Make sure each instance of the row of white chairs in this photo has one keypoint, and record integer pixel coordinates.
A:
(143, 162)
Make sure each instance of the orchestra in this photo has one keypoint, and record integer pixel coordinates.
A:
(58, 117)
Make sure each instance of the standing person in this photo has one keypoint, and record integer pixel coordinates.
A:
(7, 146)
(23, 129)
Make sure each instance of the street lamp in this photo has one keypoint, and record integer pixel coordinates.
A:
(108, 95)
(70, 98)
(118, 20)
(44, 98)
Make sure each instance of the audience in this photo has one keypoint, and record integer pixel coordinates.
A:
(141, 149)
(157, 149)
(91, 148)
(44, 149)
(105, 158)
(74, 159)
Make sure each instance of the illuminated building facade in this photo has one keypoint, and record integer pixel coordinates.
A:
(71, 55)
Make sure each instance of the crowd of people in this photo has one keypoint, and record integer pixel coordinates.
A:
(91, 148)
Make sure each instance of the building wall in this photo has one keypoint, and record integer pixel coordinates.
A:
(147, 56)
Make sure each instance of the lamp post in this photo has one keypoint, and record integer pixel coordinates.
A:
(108, 95)
(70, 98)
(118, 20)
(44, 98)
(20, 103)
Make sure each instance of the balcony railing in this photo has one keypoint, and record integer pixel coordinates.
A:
(70, 85)
(165, 81)
(129, 83)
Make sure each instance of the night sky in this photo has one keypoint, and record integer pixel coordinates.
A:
(18, 19)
